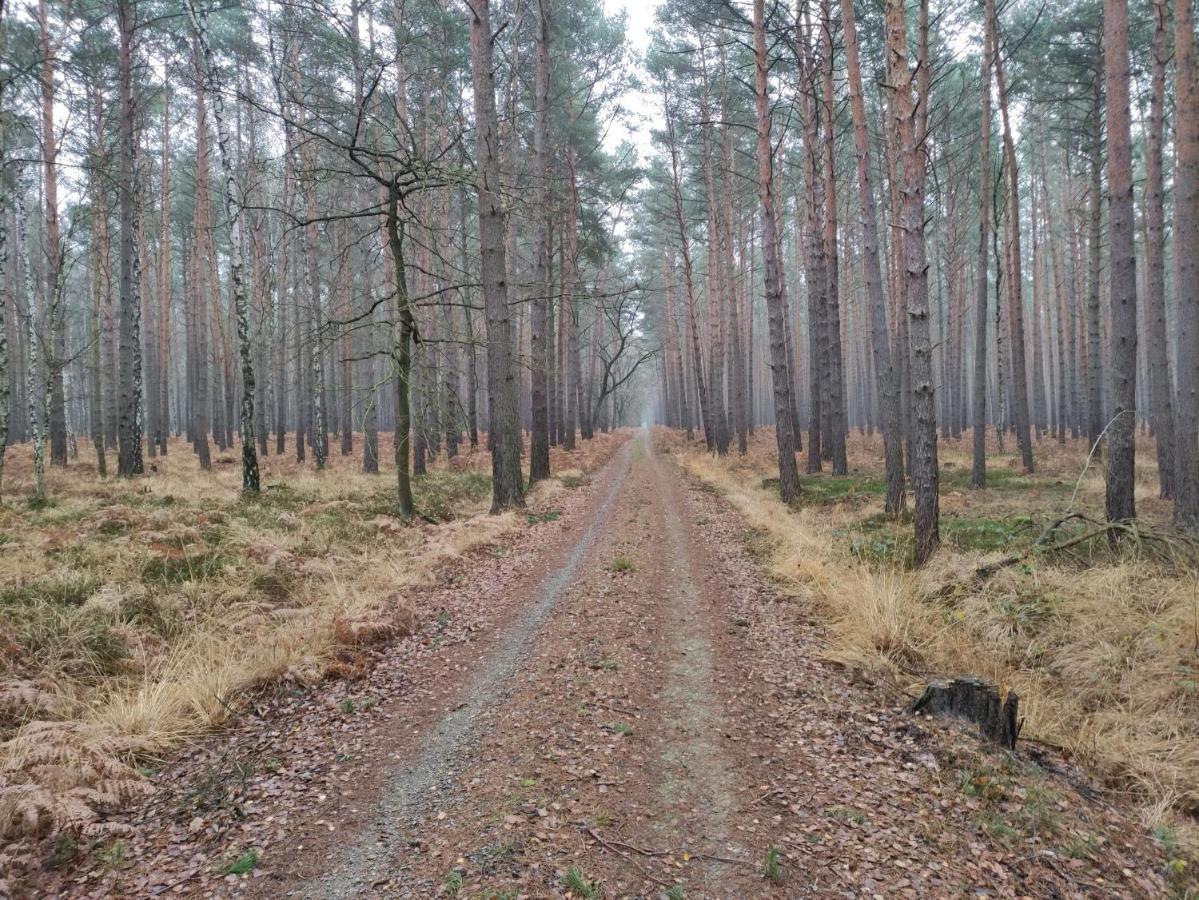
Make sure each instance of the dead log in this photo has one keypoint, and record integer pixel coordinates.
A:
(978, 701)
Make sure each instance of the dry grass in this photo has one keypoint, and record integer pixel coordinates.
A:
(1102, 647)
(134, 614)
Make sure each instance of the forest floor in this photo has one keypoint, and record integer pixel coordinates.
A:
(617, 701)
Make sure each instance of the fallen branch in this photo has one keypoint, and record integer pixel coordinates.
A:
(1177, 546)
(636, 865)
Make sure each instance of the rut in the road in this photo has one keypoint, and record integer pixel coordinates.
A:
(696, 770)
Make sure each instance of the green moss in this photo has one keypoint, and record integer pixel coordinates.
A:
(987, 535)
(823, 489)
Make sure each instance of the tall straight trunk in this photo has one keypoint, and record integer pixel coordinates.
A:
(741, 413)
(95, 368)
(344, 355)
(1186, 263)
(318, 435)
(472, 356)
(715, 287)
(1121, 443)
(1094, 342)
(872, 277)
(816, 279)
(1015, 276)
(36, 400)
(539, 438)
(913, 148)
(701, 384)
(56, 351)
(1160, 380)
(198, 350)
(1073, 275)
(835, 384)
(97, 286)
(282, 280)
(1058, 303)
(978, 474)
(402, 353)
(569, 314)
(785, 438)
(6, 367)
(233, 214)
(164, 282)
(677, 341)
(507, 487)
(129, 431)
(1037, 400)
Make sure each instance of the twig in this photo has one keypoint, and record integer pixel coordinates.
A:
(636, 865)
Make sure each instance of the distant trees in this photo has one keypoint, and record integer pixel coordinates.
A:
(1005, 300)
(334, 285)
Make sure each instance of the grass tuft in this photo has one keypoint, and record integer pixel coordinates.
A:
(577, 883)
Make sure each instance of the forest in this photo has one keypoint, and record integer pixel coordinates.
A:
(519, 448)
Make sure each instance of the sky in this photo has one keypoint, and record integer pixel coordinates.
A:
(641, 19)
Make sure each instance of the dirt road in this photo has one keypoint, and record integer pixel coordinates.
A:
(621, 704)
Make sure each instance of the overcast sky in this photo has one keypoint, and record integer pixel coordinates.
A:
(641, 19)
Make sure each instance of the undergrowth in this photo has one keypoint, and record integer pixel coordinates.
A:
(134, 614)
(1100, 642)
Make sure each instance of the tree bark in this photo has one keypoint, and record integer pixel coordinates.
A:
(1015, 276)
(1121, 239)
(507, 487)
(129, 428)
(835, 383)
(56, 351)
(233, 214)
(1186, 263)
(913, 149)
(539, 438)
(1121, 443)
(880, 335)
(1161, 382)
(789, 488)
(978, 473)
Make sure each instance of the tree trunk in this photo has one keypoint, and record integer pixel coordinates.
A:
(507, 488)
(1186, 263)
(1121, 443)
(5, 254)
(978, 474)
(880, 335)
(835, 383)
(913, 148)
(689, 284)
(1015, 277)
(539, 438)
(789, 487)
(1160, 380)
(233, 213)
(569, 313)
(56, 350)
(129, 429)
(1094, 343)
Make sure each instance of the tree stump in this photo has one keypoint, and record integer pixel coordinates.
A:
(978, 701)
